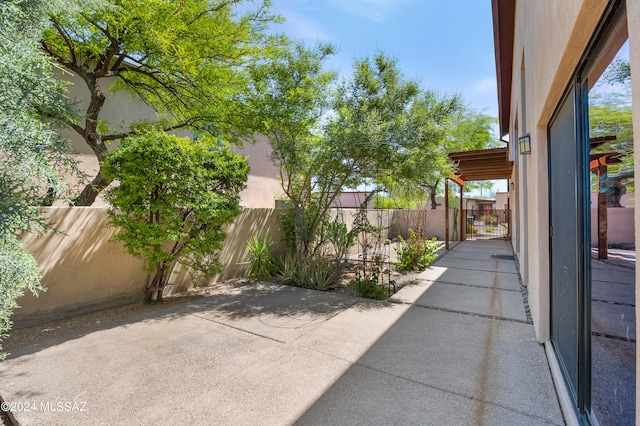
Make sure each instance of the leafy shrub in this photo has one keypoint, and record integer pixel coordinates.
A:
(18, 271)
(174, 198)
(471, 229)
(489, 229)
(369, 288)
(489, 220)
(339, 238)
(261, 263)
(314, 272)
(416, 253)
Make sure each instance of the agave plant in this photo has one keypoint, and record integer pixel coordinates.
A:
(261, 262)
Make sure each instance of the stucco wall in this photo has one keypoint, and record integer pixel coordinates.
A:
(120, 110)
(84, 270)
(620, 226)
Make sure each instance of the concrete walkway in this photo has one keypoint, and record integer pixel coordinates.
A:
(455, 348)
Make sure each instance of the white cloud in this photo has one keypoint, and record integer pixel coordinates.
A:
(302, 27)
(374, 10)
(485, 85)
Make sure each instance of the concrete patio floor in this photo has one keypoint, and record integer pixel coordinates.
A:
(454, 348)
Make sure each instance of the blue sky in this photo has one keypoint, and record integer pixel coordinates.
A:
(446, 45)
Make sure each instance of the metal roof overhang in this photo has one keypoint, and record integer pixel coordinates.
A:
(484, 164)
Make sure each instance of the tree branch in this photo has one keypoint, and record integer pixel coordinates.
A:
(67, 40)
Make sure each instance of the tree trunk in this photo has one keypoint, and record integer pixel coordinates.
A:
(156, 286)
(91, 190)
(432, 195)
(93, 138)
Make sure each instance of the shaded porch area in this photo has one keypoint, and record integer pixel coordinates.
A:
(480, 165)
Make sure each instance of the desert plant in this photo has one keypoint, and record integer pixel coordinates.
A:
(489, 219)
(261, 264)
(340, 238)
(314, 272)
(369, 288)
(415, 253)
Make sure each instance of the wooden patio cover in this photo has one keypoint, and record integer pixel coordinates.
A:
(484, 164)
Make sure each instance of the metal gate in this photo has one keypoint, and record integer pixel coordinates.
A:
(486, 224)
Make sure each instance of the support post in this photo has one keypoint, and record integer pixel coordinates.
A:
(446, 214)
(602, 213)
(463, 219)
(508, 238)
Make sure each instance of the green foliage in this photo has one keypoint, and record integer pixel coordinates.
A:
(618, 72)
(186, 59)
(610, 114)
(340, 238)
(261, 264)
(489, 229)
(296, 90)
(175, 196)
(399, 200)
(34, 158)
(18, 271)
(489, 219)
(471, 229)
(451, 128)
(38, 157)
(314, 272)
(369, 288)
(416, 253)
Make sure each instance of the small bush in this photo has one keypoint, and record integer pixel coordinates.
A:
(489, 229)
(471, 229)
(340, 238)
(315, 272)
(416, 253)
(489, 220)
(369, 288)
(261, 263)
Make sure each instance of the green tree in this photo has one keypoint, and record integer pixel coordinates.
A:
(618, 72)
(457, 129)
(297, 93)
(175, 196)
(186, 60)
(34, 157)
(610, 114)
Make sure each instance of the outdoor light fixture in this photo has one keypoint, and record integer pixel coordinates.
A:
(525, 144)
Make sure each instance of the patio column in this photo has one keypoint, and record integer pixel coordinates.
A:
(602, 213)
(446, 214)
(462, 219)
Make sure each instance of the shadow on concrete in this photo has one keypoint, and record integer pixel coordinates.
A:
(251, 301)
(439, 365)
(273, 354)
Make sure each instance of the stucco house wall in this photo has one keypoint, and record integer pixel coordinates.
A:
(550, 39)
